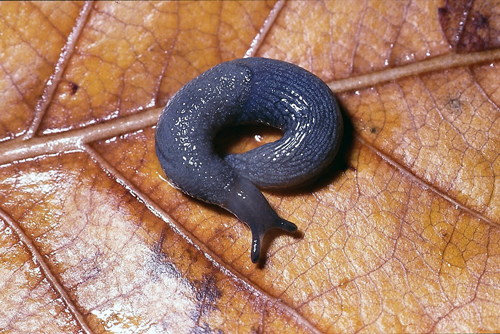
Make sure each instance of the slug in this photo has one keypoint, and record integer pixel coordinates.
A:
(249, 90)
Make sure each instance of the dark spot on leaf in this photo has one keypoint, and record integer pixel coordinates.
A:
(466, 25)
(204, 329)
(159, 265)
(208, 291)
(207, 294)
(477, 35)
(93, 266)
(373, 130)
(256, 330)
(444, 234)
(455, 106)
(452, 19)
(74, 88)
(455, 103)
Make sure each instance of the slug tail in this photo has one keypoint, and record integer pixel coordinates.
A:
(251, 207)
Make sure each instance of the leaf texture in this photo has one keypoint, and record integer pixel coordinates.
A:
(400, 235)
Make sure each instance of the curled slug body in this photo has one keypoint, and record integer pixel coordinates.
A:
(251, 90)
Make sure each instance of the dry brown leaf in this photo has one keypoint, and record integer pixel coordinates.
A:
(401, 235)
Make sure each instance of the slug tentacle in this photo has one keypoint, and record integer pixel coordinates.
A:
(251, 90)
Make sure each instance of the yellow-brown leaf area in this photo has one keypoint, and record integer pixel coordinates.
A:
(443, 127)
(133, 55)
(123, 267)
(33, 34)
(379, 251)
(338, 39)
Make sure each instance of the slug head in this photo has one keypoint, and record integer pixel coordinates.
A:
(248, 204)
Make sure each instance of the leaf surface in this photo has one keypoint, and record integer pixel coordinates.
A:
(401, 234)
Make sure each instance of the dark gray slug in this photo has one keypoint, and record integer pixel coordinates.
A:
(249, 90)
